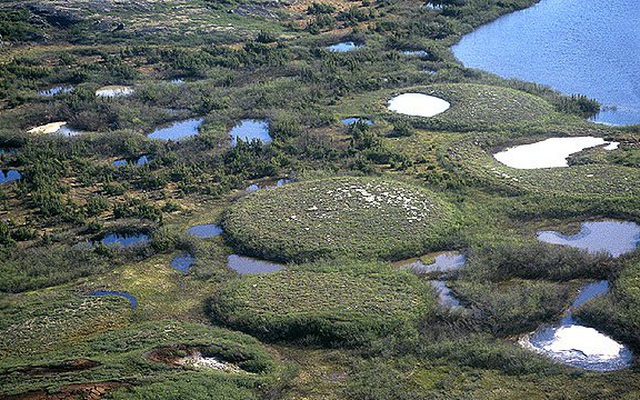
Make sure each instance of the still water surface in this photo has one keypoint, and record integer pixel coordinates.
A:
(585, 47)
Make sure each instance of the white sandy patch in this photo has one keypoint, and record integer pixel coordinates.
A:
(587, 341)
(197, 361)
(114, 91)
(48, 128)
(612, 146)
(548, 153)
(418, 104)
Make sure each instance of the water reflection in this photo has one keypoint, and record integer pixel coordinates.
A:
(577, 345)
(614, 237)
(183, 262)
(247, 265)
(344, 47)
(205, 231)
(445, 295)
(267, 185)
(249, 129)
(117, 239)
(9, 176)
(178, 130)
(132, 300)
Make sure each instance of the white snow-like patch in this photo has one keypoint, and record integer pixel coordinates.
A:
(114, 91)
(197, 361)
(612, 146)
(418, 104)
(548, 153)
(52, 127)
(587, 341)
(579, 346)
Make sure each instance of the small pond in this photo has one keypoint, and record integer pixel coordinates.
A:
(177, 81)
(114, 91)
(445, 296)
(549, 153)
(55, 90)
(344, 47)
(444, 263)
(132, 300)
(249, 129)
(267, 185)
(205, 231)
(183, 262)
(418, 104)
(59, 128)
(124, 239)
(9, 176)
(577, 345)
(178, 130)
(247, 265)
(131, 161)
(353, 120)
(614, 237)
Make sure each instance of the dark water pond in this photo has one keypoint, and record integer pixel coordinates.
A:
(586, 47)
(124, 239)
(249, 129)
(205, 231)
(183, 262)
(131, 298)
(55, 90)
(247, 265)
(344, 47)
(267, 185)
(614, 237)
(353, 120)
(131, 161)
(178, 130)
(445, 296)
(9, 176)
(577, 345)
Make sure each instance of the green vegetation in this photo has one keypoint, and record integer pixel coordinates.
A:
(347, 325)
(480, 107)
(355, 217)
(348, 304)
(127, 355)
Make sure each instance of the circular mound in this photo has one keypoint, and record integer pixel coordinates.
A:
(418, 104)
(340, 217)
(336, 304)
(483, 107)
(593, 182)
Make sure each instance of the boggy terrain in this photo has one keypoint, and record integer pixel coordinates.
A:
(341, 188)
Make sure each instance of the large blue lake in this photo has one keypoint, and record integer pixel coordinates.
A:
(586, 47)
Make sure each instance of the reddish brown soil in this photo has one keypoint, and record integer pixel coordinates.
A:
(85, 391)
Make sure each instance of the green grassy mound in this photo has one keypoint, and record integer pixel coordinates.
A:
(35, 323)
(337, 304)
(608, 188)
(123, 356)
(480, 107)
(352, 217)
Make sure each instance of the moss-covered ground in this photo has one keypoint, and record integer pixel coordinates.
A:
(340, 303)
(353, 217)
(348, 325)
